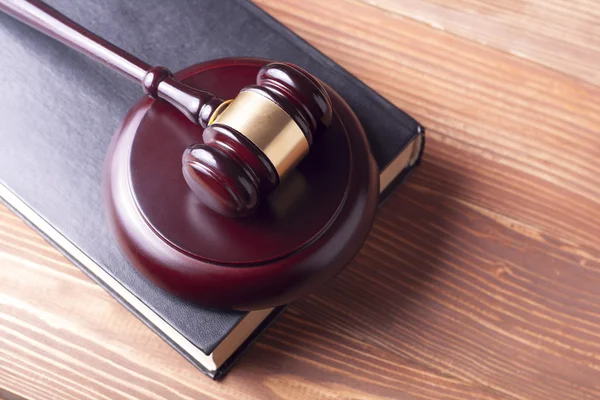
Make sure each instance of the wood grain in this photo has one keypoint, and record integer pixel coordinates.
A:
(562, 35)
(480, 277)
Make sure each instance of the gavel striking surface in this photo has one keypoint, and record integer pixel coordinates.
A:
(303, 234)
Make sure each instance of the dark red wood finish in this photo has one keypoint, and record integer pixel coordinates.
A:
(299, 94)
(228, 184)
(227, 171)
(306, 231)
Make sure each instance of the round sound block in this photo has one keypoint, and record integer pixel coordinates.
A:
(303, 233)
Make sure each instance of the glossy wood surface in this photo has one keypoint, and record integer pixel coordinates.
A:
(480, 278)
(301, 235)
(227, 171)
(299, 93)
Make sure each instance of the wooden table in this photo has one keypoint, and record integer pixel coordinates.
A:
(481, 278)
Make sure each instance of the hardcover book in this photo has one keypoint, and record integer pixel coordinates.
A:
(60, 109)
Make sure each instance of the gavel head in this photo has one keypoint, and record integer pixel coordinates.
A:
(253, 141)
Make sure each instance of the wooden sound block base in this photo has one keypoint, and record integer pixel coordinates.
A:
(303, 234)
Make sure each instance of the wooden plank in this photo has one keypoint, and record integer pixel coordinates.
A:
(527, 134)
(479, 280)
(561, 34)
(63, 336)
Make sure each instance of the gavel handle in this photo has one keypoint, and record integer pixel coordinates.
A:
(197, 105)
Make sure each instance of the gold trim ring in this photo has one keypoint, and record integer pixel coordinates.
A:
(222, 107)
(266, 125)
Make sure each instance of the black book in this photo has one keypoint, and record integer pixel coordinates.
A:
(59, 110)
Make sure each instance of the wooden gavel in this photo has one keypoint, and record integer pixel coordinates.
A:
(250, 143)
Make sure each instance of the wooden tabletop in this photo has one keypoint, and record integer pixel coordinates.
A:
(481, 278)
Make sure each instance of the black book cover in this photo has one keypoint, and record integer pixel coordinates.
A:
(59, 110)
